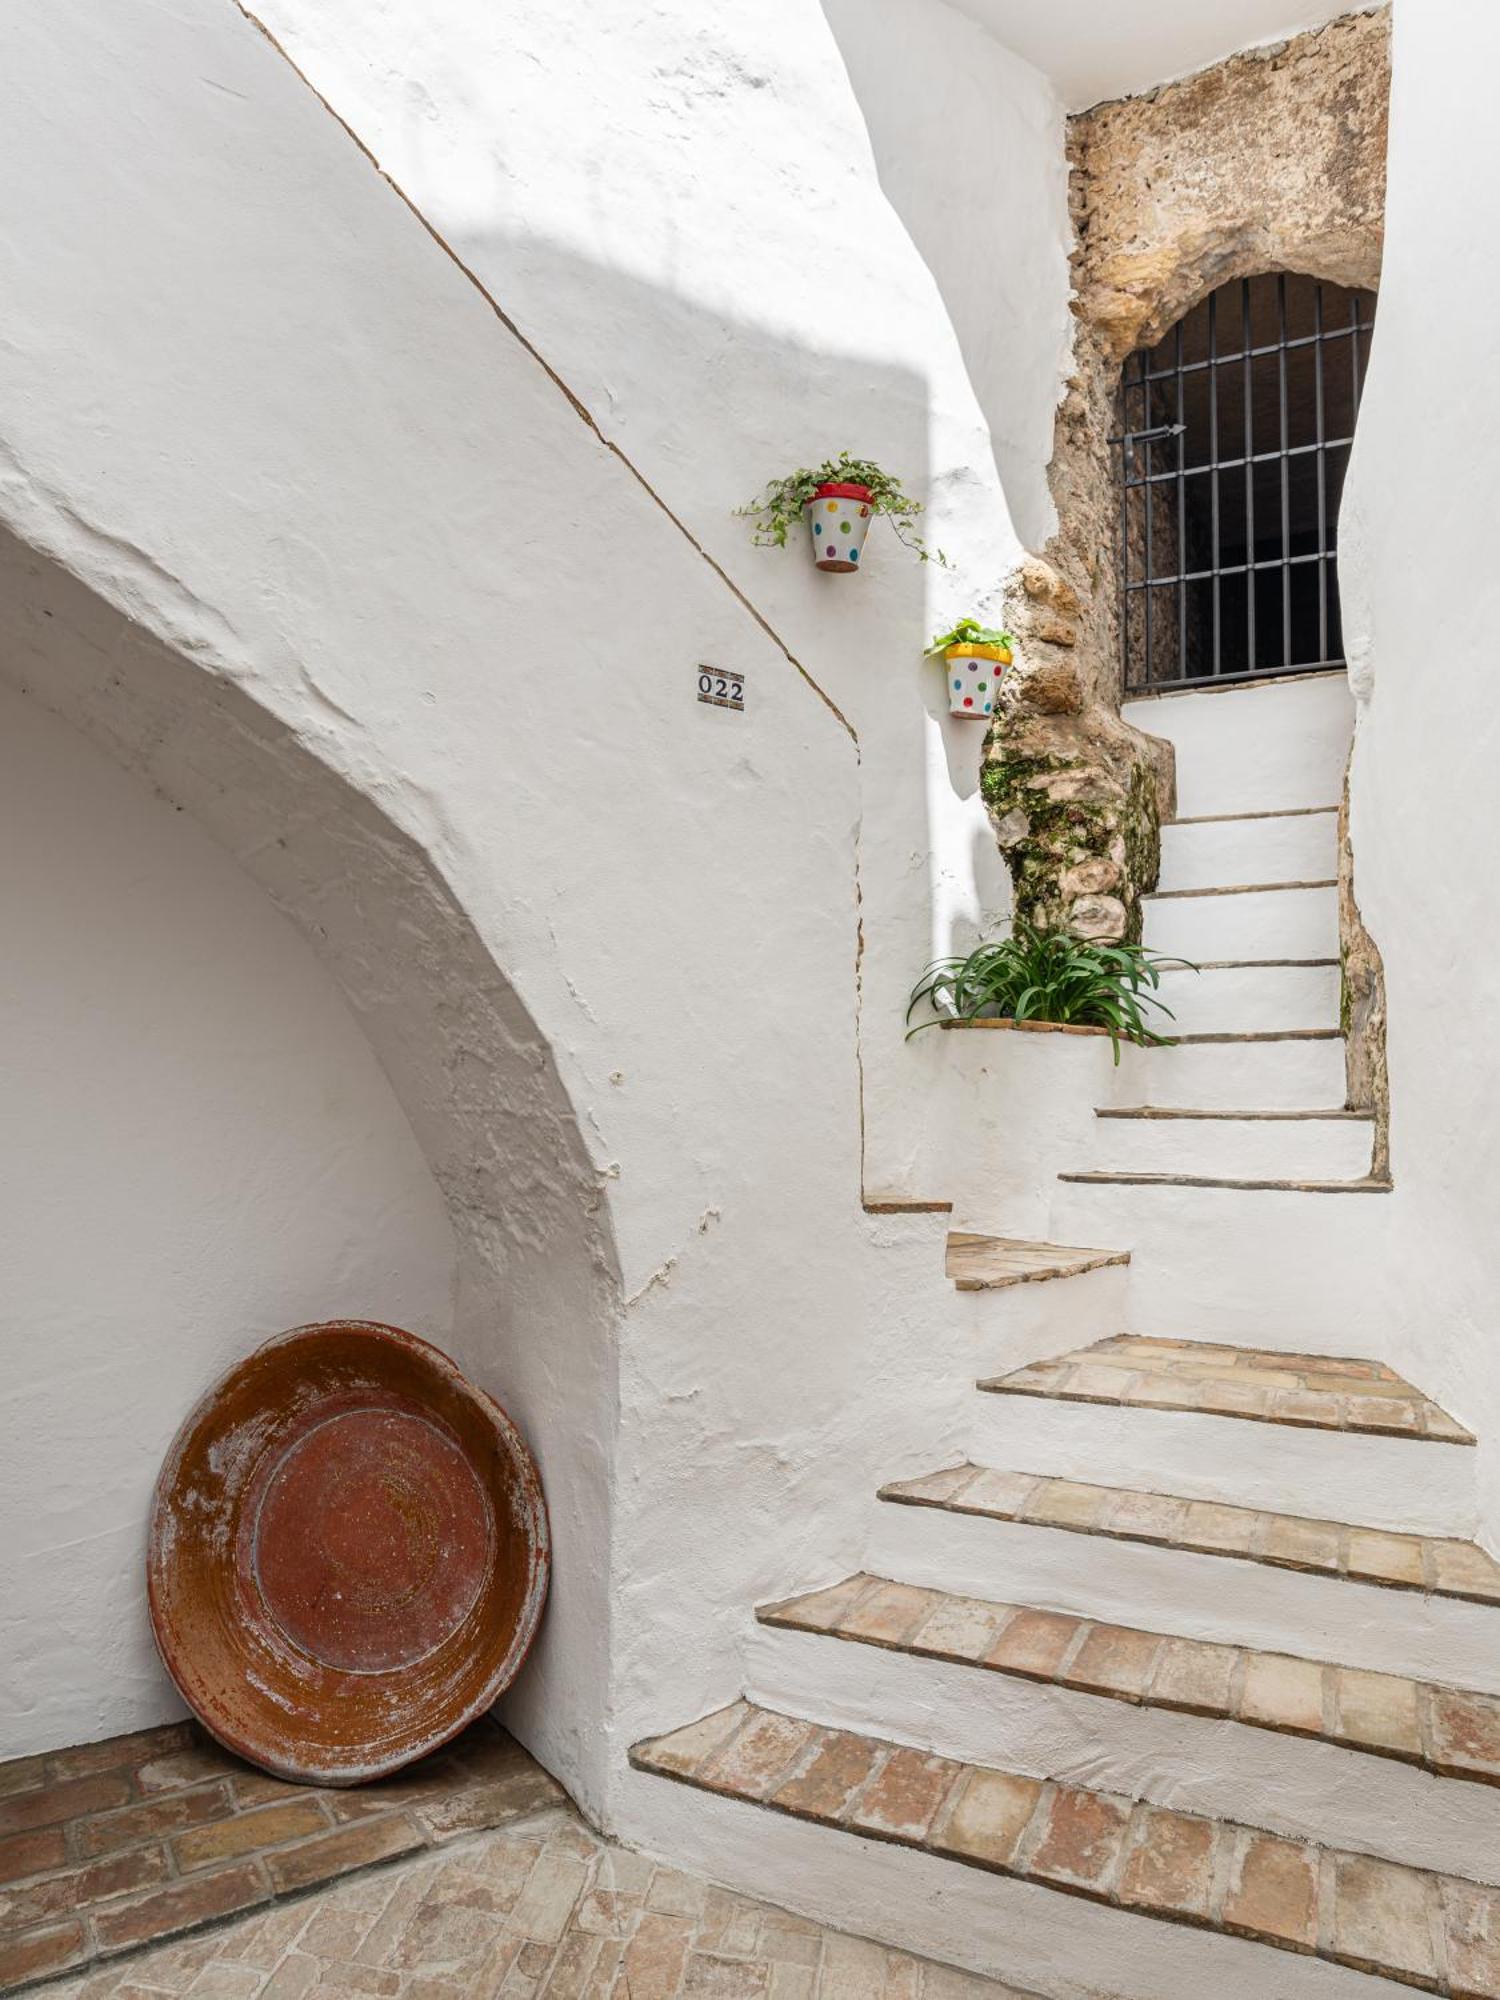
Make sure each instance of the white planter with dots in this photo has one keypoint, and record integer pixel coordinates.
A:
(974, 679)
(838, 519)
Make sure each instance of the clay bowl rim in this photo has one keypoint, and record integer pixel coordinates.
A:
(533, 1501)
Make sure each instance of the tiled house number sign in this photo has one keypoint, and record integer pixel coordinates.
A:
(723, 690)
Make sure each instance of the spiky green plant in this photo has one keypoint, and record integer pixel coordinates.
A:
(1037, 975)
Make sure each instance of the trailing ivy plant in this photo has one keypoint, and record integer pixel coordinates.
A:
(1037, 975)
(969, 632)
(779, 508)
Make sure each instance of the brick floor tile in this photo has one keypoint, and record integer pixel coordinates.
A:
(988, 1817)
(53, 1804)
(353, 1978)
(1282, 1693)
(1194, 1675)
(447, 1939)
(1035, 1643)
(1462, 1570)
(723, 1978)
(902, 1799)
(21, 1774)
(793, 1982)
(652, 1966)
(1144, 1517)
(198, 1763)
(1378, 1712)
(1226, 1530)
(292, 1978)
(546, 1903)
(33, 1954)
(1391, 1559)
(888, 1614)
(1063, 1503)
(961, 1628)
(1471, 1923)
(178, 1907)
(1465, 1733)
(787, 1941)
(223, 1980)
(824, 1786)
(1170, 1866)
(571, 1974)
(1383, 1918)
(110, 1832)
(754, 1759)
(1080, 1840)
(1305, 1545)
(53, 1896)
(1114, 1660)
(331, 1854)
(818, 1610)
(674, 1894)
(729, 1923)
(1273, 1893)
(268, 1826)
(23, 1854)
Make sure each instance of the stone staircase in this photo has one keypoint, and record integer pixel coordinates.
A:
(1194, 1653)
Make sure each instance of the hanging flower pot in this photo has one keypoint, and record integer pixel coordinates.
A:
(974, 657)
(838, 519)
(837, 501)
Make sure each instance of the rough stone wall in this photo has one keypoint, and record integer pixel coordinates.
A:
(1273, 160)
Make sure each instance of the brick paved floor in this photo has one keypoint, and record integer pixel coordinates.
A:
(540, 1910)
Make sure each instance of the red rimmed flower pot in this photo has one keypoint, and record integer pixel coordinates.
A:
(838, 519)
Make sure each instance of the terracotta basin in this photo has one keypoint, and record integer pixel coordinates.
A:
(349, 1553)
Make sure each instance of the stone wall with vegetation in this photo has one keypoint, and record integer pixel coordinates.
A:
(1273, 160)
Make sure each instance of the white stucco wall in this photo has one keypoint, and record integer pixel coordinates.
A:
(969, 142)
(199, 1150)
(1422, 604)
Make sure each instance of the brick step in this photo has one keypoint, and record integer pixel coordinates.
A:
(1315, 1391)
(1432, 1565)
(990, 1263)
(1440, 1933)
(1451, 1732)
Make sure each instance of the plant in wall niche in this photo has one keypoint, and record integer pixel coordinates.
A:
(838, 500)
(975, 656)
(1036, 975)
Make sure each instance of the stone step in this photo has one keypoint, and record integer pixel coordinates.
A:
(1266, 1184)
(1251, 1072)
(1436, 1566)
(1229, 849)
(1271, 746)
(990, 1263)
(1290, 1146)
(1247, 997)
(1231, 1424)
(1264, 1385)
(1439, 1932)
(1451, 1732)
(1284, 920)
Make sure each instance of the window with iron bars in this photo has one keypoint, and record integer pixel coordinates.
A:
(1235, 436)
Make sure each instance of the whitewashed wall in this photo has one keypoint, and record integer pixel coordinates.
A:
(1422, 607)
(199, 1150)
(305, 535)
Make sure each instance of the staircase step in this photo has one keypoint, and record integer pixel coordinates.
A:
(1265, 1071)
(1307, 1145)
(1312, 1391)
(1289, 920)
(1226, 850)
(989, 1263)
(1263, 747)
(1439, 1932)
(1366, 1185)
(1440, 1566)
(1451, 1732)
(1247, 996)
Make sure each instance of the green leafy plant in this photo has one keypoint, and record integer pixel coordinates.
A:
(779, 508)
(1037, 975)
(969, 632)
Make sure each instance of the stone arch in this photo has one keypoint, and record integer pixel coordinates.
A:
(1273, 160)
(538, 1276)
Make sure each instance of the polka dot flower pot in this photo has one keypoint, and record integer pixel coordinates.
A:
(974, 679)
(838, 519)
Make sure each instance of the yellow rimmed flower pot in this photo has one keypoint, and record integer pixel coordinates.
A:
(974, 679)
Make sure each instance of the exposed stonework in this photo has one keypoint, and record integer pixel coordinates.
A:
(1273, 160)
(1362, 1005)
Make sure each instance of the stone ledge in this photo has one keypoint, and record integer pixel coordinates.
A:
(1030, 1027)
(1451, 1732)
(1439, 1933)
(990, 1263)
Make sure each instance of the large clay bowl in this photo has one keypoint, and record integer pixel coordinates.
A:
(349, 1553)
